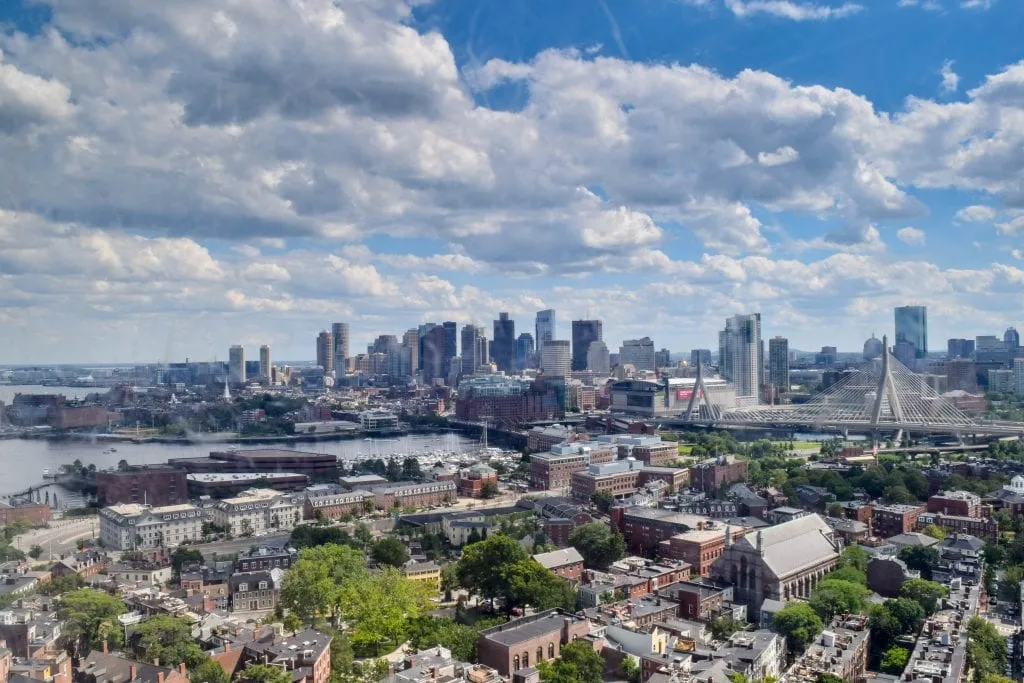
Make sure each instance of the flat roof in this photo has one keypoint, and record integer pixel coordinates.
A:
(217, 477)
(271, 453)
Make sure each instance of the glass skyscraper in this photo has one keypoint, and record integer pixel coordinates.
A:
(911, 333)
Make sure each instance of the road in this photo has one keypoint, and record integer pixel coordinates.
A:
(60, 538)
(238, 545)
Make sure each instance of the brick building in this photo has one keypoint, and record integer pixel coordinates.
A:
(677, 478)
(521, 643)
(710, 476)
(86, 564)
(892, 520)
(35, 514)
(155, 485)
(985, 528)
(700, 547)
(554, 469)
(618, 478)
(567, 563)
(697, 600)
(332, 501)
(414, 495)
(650, 450)
(645, 528)
(472, 480)
(305, 655)
(961, 503)
(543, 438)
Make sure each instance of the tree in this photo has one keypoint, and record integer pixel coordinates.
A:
(263, 673)
(826, 677)
(724, 626)
(934, 531)
(35, 551)
(799, 624)
(320, 580)
(363, 534)
(183, 556)
(925, 593)
(831, 597)
(91, 618)
(490, 490)
(599, 545)
(986, 649)
(920, 558)
(834, 510)
(484, 566)
(394, 470)
(411, 469)
(577, 663)
(854, 556)
(909, 614)
(630, 669)
(292, 622)
(602, 500)
(430, 631)
(61, 584)
(895, 659)
(380, 607)
(1009, 584)
(167, 639)
(851, 574)
(531, 584)
(209, 671)
(390, 551)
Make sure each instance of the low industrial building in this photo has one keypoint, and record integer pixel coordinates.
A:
(227, 484)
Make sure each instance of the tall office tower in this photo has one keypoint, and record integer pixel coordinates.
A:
(452, 335)
(584, 332)
(236, 364)
(411, 341)
(827, 357)
(483, 348)
(556, 358)
(524, 351)
(544, 327)
(778, 364)
(742, 354)
(423, 329)
(503, 349)
(325, 351)
(398, 359)
(471, 357)
(638, 352)
(912, 329)
(339, 337)
(962, 374)
(700, 357)
(265, 371)
(435, 354)
(598, 358)
(663, 358)
(1011, 339)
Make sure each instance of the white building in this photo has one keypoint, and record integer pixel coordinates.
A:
(131, 526)
(741, 354)
(1018, 376)
(236, 364)
(598, 358)
(266, 373)
(556, 358)
(257, 511)
(378, 420)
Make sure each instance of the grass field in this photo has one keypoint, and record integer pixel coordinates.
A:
(806, 446)
(685, 448)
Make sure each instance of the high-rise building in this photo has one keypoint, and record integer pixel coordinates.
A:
(826, 358)
(423, 329)
(483, 348)
(638, 352)
(962, 375)
(959, 348)
(452, 335)
(383, 343)
(989, 348)
(236, 364)
(471, 358)
(663, 358)
(339, 337)
(325, 351)
(700, 357)
(435, 354)
(265, 371)
(503, 349)
(583, 333)
(411, 341)
(556, 358)
(741, 354)
(598, 358)
(912, 328)
(524, 351)
(1011, 339)
(544, 329)
(778, 364)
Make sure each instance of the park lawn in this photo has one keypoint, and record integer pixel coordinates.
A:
(806, 446)
(685, 448)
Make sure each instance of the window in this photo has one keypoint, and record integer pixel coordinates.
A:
(243, 587)
(515, 663)
(551, 650)
(526, 659)
(540, 653)
(263, 585)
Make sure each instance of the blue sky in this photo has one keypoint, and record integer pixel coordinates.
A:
(200, 174)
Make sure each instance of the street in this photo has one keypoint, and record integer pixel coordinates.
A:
(60, 538)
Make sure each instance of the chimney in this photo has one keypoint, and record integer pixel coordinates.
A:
(156, 661)
(132, 672)
(106, 649)
(181, 669)
(227, 646)
(159, 677)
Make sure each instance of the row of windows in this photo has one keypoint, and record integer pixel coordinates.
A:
(244, 587)
(524, 661)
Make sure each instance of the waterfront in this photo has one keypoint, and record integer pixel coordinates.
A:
(22, 461)
(7, 391)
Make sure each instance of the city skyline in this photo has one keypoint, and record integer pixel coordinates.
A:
(659, 167)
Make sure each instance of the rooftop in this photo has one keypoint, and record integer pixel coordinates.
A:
(527, 628)
(219, 477)
(558, 558)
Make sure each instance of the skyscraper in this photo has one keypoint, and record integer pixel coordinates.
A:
(700, 357)
(912, 329)
(544, 328)
(435, 354)
(452, 336)
(339, 337)
(598, 360)
(471, 348)
(556, 358)
(583, 333)
(236, 364)
(741, 354)
(663, 358)
(503, 349)
(265, 371)
(423, 329)
(325, 351)
(1011, 339)
(638, 352)
(524, 351)
(411, 341)
(778, 363)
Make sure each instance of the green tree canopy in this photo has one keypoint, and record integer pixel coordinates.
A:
(381, 606)
(531, 584)
(925, 593)
(799, 624)
(577, 663)
(986, 649)
(483, 566)
(91, 618)
(390, 551)
(184, 556)
(854, 556)
(849, 574)
(934, 531)
(208, 671)
(598, 544)
(831, 597)
(602, 500)
(895, 659)
(920, 558)
(490, 490)
(319, 582)
(263, 673)
(168, 639)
